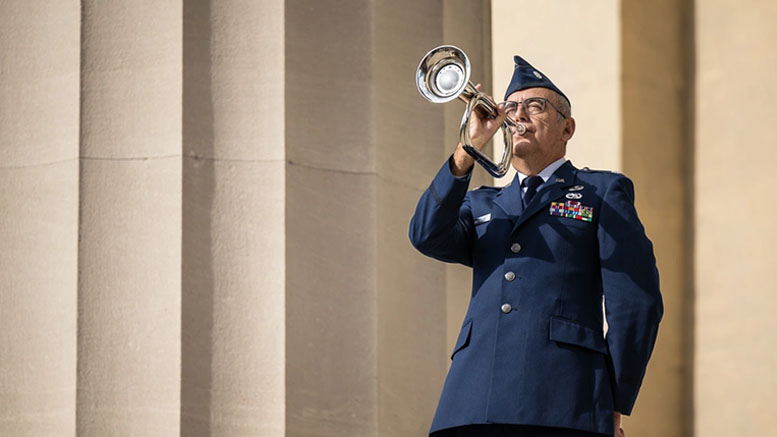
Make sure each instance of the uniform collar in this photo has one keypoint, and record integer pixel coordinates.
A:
(509, 198)
(546, 172)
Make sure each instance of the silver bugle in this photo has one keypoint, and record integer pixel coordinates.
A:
(443, 75)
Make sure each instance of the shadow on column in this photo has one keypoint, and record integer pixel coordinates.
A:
(198, 196)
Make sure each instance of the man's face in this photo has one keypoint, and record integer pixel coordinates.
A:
(546, 133)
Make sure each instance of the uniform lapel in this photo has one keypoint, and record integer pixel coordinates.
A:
(549, 191)
(509, 199)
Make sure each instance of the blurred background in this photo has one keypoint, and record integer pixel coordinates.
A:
(205, 206)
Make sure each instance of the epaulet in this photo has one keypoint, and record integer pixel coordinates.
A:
(487, 187)
(588, 170)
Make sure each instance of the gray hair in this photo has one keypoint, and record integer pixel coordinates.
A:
(563, 105)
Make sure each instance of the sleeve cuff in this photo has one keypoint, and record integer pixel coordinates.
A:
(625, 397)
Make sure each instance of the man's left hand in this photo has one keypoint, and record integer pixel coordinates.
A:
(618, 428)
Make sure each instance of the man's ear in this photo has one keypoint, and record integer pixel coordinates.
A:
(569, 129)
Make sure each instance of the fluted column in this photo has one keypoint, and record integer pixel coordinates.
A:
(234, 219)
(657, 153)
(411, 290)
(331, 350)
(421, 302)
(130, 223)
(366, 315)
(39, 66)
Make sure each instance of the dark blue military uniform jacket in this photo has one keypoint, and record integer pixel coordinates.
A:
(532, 348)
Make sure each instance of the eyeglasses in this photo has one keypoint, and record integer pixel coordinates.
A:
(532, 106)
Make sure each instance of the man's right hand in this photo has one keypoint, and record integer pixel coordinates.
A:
(481, 129)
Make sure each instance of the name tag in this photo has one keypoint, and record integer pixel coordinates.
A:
(483, 219)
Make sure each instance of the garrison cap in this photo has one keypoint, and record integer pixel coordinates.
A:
(525, 76)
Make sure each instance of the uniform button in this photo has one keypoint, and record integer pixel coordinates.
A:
(506, 308)
(509, 276)
(515, 248)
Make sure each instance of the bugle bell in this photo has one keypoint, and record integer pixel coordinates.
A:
(442, 76)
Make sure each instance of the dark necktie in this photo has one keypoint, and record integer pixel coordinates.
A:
(531, 183)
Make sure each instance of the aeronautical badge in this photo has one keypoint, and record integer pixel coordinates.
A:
(576, 188)
(573, 210)
(575, 196)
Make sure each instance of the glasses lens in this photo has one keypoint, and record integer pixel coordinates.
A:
(534, 106)
(510, 109)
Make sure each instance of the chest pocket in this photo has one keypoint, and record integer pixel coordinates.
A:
(573, 213)
(569, 228)
(570, 223)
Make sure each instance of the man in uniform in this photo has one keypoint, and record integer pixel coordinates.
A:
(532, 357)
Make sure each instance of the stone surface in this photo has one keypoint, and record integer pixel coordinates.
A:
(329, 79)
(129, 318)
(129, 275)
(39, 85)
(38, 232)
(657, 153)
(736, 331)
(576, 44)
(234, 236)
(331, 318)
(131, 79)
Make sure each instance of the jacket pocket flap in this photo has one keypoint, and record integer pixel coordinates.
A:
(567, 331)
(463, 339)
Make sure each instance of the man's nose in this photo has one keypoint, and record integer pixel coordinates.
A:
(521, 114)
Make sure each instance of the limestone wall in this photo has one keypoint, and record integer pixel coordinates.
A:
(39, 203)
(735, 296)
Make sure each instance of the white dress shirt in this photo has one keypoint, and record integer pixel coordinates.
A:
(545, 174)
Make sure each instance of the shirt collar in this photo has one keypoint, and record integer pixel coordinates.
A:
(546, 172)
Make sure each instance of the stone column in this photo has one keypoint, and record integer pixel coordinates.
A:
(39, 221)
(331, 308)
(366, 314)
(421, 302)
(580, 51)
(736, 296)
(657, 154)
(233, 219)
(129, 325)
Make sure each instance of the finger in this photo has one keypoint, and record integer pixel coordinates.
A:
(477, 87)
(501, 115)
